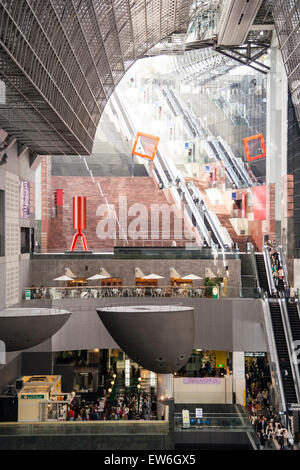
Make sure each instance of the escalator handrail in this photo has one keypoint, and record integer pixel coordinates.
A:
(289, 342)
(237, 162)
(231, 174)
(268, 268)
(274, 355)
(210, 215)
(254, 265)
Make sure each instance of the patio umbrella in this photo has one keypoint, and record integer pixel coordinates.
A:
(153, 276)
(69, 273)
(139, 273)
(192, 277)
(104, 273)
(96, 277)
(174, 273)
(63, 278)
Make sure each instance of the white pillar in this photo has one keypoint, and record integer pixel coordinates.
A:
(238, 371)
(276, 129)
(165, 387)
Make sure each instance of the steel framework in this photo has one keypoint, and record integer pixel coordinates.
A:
(60, 60)
(287, 22)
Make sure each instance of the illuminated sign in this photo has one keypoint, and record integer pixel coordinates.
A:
(32, 397)
(255, 354)
(202, 381)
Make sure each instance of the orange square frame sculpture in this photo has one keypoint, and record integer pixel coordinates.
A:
(149, 144)
(261, 141)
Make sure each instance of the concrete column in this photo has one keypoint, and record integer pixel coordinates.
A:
(238, 370)
(165, 389)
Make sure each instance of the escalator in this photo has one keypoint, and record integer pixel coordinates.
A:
(282, 352)
(280, 324)
(262, 273)
(236, 164)
(294, 320)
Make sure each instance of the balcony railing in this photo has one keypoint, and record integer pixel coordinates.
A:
(58, 293)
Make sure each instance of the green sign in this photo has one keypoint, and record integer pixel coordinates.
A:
(27, 294)
(215, 292)
(32, 397)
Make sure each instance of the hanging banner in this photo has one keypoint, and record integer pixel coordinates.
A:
(24, 199)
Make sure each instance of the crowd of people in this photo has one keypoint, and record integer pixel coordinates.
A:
(123, 407)
(262, 415)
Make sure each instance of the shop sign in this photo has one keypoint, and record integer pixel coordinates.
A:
(255, 354)
(185, 419)
(27, 294)
(215, 292)
(202, 380)
(32, 397)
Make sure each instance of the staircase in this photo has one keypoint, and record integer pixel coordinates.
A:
(282, 352)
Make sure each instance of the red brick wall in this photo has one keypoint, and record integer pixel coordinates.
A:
(60, 228)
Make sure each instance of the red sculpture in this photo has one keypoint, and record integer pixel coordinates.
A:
(79, 221)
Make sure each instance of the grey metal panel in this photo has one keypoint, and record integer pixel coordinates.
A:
(247, 325)
(22, 328)
(225, 324)
(158, 337)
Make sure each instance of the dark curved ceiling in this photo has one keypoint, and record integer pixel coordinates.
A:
(60, 60)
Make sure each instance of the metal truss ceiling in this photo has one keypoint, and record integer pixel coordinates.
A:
(287, 22)
(60, 61)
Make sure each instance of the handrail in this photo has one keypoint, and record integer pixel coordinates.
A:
(254, 265)
(289, 342)
(210, 215)
(237, 162)
(268, 267)
(228, 167)
(274, 360)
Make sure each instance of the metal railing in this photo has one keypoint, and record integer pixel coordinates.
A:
(212, 421)
(93, 292)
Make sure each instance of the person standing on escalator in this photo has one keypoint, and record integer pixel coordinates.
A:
(283, 368)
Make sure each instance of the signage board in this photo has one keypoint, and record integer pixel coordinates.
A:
(32, 397)
(255, 354)
(215, 292)
(199, 412)
(185, 419)
(202, 380)
(24, 193)
(27, 294)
